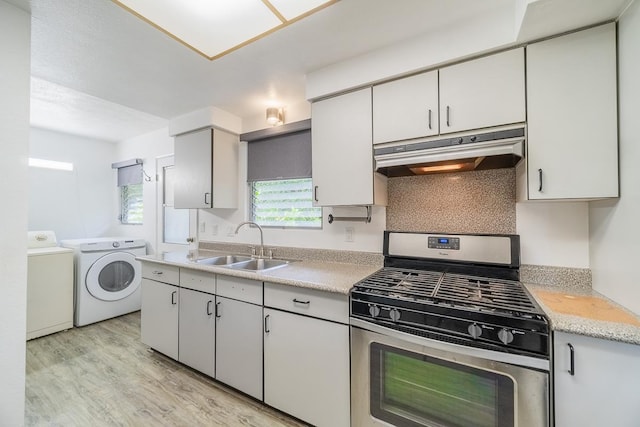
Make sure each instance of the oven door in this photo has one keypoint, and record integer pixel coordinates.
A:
(400, 379)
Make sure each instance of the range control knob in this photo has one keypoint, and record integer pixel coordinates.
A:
(505, 336)
(394, 314)
(374, 310)
(459, 141)
(474, 330)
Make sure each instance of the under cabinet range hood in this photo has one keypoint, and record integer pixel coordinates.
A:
(486, 149)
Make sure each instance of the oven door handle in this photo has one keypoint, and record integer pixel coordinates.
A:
(514, 359)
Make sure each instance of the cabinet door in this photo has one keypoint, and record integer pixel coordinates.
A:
(225, 170)
(159, 317)
(489, 91)
(239, 345)
(342, 157)
(604, 389)
(307, 368)
(572, 116)
(197, 330)
(193, 161)
(406, 108)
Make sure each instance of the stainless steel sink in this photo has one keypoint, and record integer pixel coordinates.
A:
(259, 264)
(223, 260)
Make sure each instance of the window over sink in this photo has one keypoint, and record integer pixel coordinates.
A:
(284, 203)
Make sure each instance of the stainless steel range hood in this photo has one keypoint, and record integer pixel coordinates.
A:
(487, 149)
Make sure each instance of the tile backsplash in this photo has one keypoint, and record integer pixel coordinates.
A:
(466, 202)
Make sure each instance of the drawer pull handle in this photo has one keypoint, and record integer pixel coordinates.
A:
(266, 324)
(297, 301)
(209, 313)
(572, 360)
(157, 272)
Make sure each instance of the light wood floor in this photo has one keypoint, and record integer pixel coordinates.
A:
(102, 375)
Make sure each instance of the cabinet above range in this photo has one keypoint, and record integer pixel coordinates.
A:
(480, 93)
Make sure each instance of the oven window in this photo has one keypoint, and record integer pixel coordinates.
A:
(411, 389)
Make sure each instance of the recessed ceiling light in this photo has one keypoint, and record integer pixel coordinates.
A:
(214, 28)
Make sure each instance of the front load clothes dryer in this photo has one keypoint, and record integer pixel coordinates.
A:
(107, 277)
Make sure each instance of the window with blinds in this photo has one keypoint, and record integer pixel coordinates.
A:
(131, 207)
(284, 203)
(279, 177)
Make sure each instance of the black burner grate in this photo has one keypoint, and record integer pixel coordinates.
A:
(471, 292)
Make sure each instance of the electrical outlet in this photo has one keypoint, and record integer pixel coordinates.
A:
(230, 232)
(349, 233)
(214, 230)
(202, 227)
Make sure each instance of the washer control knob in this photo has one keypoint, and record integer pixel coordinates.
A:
(374, 310)
(116, 244)
(505, 336)
(394, 314)
(474, 330)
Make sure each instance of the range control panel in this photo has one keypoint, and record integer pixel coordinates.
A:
(443, 242)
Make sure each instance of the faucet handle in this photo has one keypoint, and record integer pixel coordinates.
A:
(252, 249)
(270, 252)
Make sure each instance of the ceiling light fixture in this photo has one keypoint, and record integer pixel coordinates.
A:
(275, 116)
(214, 28)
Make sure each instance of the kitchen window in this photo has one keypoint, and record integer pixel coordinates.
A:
(279, 177)
(284, 203)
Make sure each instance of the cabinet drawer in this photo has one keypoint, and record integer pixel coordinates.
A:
(325, 305)
(203, 281)
(240, 289)
(161, 273)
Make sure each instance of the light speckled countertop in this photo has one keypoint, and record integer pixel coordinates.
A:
(626, 327)
(321, 275)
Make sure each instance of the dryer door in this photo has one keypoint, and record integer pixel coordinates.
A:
(114, 276)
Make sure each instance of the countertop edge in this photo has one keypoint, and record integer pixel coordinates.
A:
(342, 281)
(561, 322)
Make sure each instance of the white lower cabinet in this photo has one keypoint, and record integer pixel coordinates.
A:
(159, 317)
(197, 331)
(603, 388)
(239, 345)
(306, 368)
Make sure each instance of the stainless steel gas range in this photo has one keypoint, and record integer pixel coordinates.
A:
(445, 335)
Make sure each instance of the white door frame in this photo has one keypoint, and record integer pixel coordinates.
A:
(163, 162)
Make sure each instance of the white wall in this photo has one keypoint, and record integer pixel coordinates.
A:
(15, 33)
(147, 147)
(614, 225)
(75, 204)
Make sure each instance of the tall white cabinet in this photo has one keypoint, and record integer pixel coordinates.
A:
(342, 152)
(306, 354)
(206, 164)
(572, 116)
(596, 382)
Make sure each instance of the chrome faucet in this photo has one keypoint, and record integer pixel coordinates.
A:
(261, 236)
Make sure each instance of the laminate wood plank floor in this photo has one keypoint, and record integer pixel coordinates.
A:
(102, 375)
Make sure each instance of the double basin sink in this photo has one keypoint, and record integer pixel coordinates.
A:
(246, 263)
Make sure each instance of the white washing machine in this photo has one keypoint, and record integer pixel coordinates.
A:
(107, 277)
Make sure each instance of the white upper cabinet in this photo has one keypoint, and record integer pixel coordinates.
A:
(572, 116)
(484, 92)
(342, 153)
(406, 108)
(206, 163)
(476, 94)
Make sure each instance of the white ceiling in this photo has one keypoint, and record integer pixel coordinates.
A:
(92, 53)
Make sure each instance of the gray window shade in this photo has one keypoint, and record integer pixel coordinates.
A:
(130, 175)
(280, 157)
